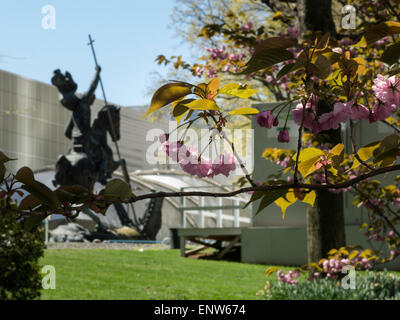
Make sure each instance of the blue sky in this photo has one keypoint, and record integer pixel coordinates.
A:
(129, 35)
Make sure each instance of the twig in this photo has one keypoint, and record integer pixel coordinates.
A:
(354, 147)
(392, 126)
(242, 166)
(296, 168)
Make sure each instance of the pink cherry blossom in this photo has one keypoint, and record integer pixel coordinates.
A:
(265, 119)
(248, 26)
(225, 165)
(387, 90)
(293, 32)
(359, 112)
(297, 114)
(284, 136)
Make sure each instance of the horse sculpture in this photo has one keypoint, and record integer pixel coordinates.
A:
(97, 163)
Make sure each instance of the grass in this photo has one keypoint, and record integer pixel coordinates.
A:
(131, 274)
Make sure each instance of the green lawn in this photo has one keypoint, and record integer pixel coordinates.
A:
(128, 274)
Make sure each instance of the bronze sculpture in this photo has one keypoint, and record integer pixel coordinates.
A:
(90, 158)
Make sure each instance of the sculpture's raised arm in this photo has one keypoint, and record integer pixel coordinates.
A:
(90, 93)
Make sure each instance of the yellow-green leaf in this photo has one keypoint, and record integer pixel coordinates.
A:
(118, 188)
(307, 160)
(316, 266)
(336, 150)
(202, 104)
(365, 153)
(337, 156)
(271, 270)
(244, 111)
(310, 198)
(168, 94)
(353, 254)
(285, 202)
(237, 90)
(213, 87)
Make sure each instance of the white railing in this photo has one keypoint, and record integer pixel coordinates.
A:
(220, 212)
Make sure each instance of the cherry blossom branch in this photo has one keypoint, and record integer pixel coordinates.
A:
(341, 185)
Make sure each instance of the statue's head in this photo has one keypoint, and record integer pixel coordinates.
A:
(64, 83)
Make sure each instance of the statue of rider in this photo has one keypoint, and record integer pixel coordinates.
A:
(78, 128)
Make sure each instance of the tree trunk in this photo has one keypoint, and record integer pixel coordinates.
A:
(315, 15)
(325, 222)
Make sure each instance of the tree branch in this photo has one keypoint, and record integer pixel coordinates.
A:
(268, 188)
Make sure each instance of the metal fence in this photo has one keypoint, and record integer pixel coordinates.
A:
(216, 212)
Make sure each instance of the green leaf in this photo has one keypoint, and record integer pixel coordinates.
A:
(376, 32)
(168, 94)
(25, 175)
(244, 111)
(36, 188)
(269, 197)
(2, 172)
(254, 197)
(29, 203)
(287, 69)
(322, 67)
(180, 109)
(237, 90)
(202, 104)
(323, 41)
(117, 189)
(32, 221)
(4, 158)
(391, 55)
(266, 58)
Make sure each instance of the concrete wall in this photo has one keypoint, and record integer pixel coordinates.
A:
(277, 241)
(32, 125)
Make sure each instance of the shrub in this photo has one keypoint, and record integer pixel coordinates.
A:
(20, 251)
(370, 286)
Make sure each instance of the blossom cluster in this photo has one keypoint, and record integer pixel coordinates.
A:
(288, 277)
(387, 91)
(193, 163)
(265, 119)
(341, 113)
